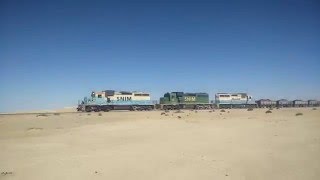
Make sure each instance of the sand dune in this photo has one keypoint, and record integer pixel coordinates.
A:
(236, 144)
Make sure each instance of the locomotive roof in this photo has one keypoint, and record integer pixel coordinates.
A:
(196, 93)
(189, 92)
(120, 91)
(230, 93)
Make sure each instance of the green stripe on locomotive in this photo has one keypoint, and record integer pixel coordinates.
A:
(184, 98)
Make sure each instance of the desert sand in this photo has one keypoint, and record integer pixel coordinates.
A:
(236, 144)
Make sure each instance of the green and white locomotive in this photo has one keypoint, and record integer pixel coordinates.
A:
(181, 100)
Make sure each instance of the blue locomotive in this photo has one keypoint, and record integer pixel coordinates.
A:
(116, 100)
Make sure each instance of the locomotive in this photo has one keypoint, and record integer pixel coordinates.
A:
(181, 100)
(113, 100)
(234, 100)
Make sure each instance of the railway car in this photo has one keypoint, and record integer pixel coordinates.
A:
(313, 103)
(234, 100)
(284, 103)
(116, 100)
(181, 100)
(300, 103)
(266, 103)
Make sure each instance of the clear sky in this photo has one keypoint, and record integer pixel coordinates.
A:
(53, 53)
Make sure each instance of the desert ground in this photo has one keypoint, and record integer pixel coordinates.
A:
(235, 144)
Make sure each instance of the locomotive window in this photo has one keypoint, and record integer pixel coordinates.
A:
(190, 94)
(125, 93)
(141, 94)
(99, 96)
(179, 94)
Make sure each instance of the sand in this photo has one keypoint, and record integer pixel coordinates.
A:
(236, 144)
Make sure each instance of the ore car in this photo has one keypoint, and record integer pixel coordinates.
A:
(234, 100)
(284, 103)
(116, 100)
(313, 103)
(181, 100)
(300, 103)
(266, 103)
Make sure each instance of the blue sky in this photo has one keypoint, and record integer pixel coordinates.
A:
(53, 53)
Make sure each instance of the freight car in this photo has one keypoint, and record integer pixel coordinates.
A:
(266, 103)
(114, 100)
(181, 100)
(234, 100)
(284, 103)
(313, 103)
(300, 103)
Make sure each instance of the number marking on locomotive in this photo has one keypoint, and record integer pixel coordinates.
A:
(189, 98)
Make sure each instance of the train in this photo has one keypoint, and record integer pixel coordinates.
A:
(108, 100)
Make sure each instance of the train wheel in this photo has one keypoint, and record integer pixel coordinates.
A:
(88, 109)
(133, 108)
